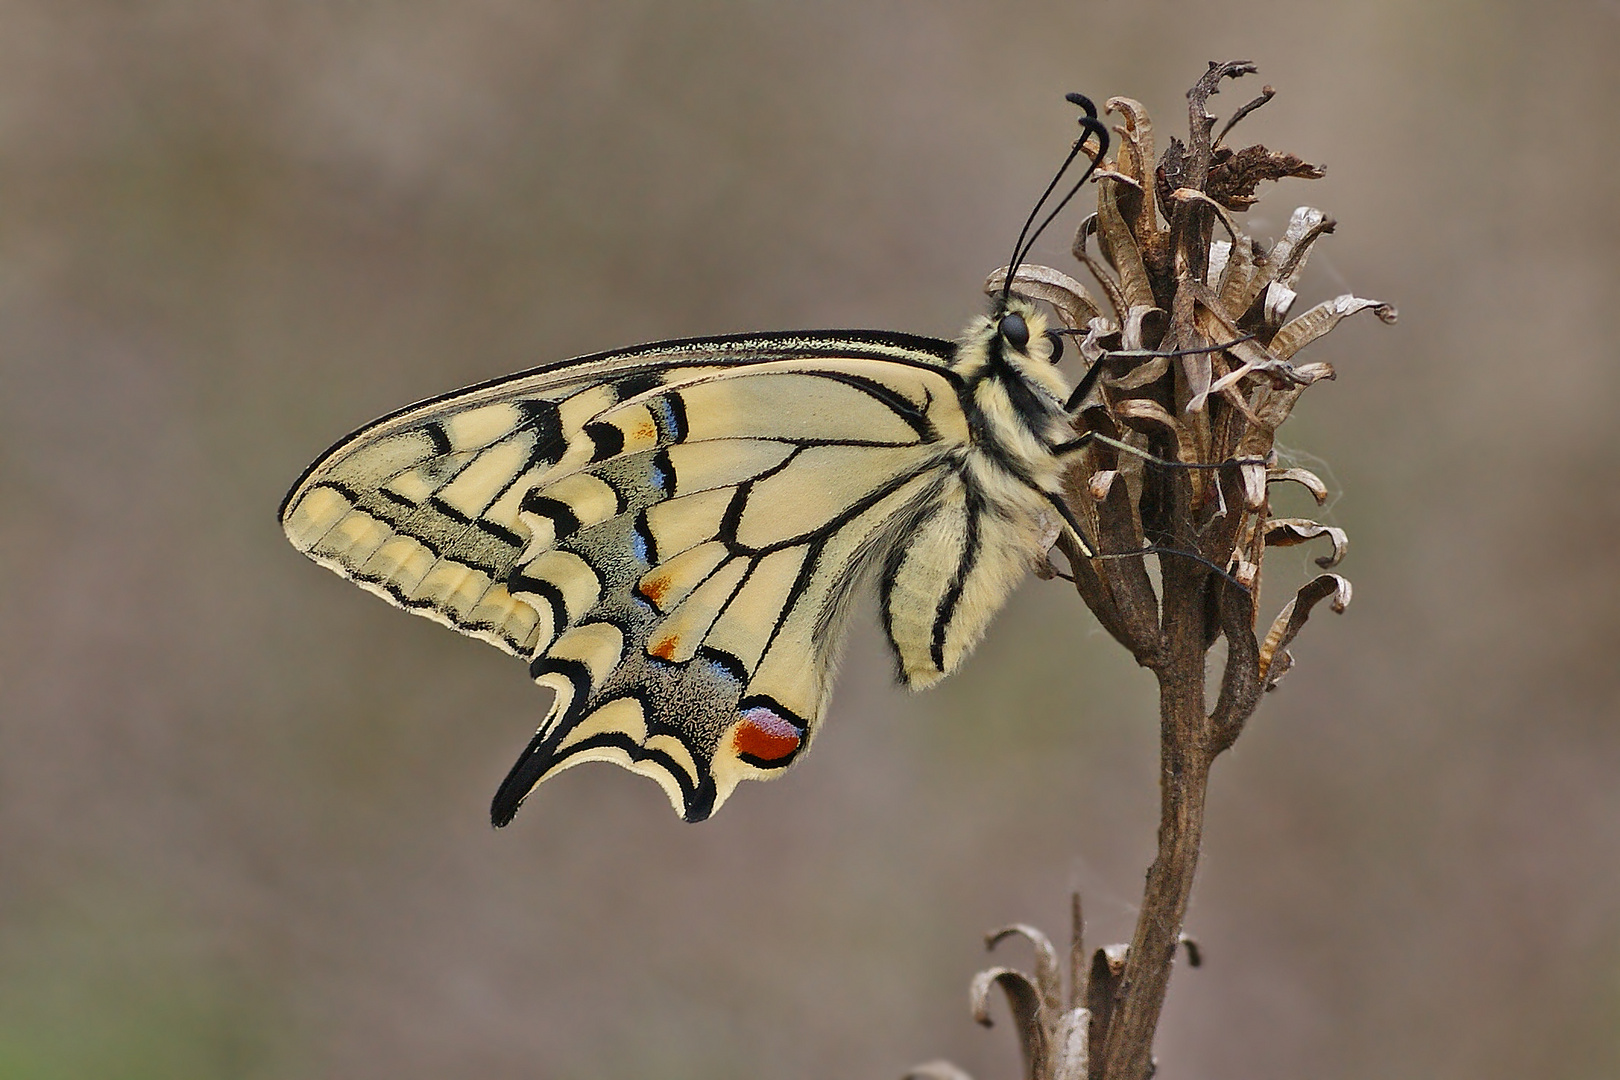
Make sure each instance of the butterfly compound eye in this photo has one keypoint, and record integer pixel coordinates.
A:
(1057, 344)
(1015, 331)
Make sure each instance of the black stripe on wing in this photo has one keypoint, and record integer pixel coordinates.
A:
(953, 592)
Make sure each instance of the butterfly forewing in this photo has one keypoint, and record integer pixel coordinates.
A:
(669, 535)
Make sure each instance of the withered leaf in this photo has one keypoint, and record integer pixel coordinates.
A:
(1286, 532)
(1235, 174)
(1073, 301)
(1274, 658)
(1304, 477)
(1120, 248)
(1025, 1004)
(1300, 332)
(1048, 975)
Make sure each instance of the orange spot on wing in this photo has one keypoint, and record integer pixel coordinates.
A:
(655, 587)
(647, 431)
(664, 650)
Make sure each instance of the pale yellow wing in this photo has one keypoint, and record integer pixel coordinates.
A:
(668, 534)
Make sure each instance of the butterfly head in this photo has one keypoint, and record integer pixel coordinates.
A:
(1016, 338)
(1013, 329)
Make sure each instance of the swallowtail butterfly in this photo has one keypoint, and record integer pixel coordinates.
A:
(669, 535)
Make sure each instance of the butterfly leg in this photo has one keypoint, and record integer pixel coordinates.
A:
(1151, 549)
(1082, 441)
(1086, 439)
(1089, 379)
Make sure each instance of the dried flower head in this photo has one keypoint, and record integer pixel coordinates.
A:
(1198, 372)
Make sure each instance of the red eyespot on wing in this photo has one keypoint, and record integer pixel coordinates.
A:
(764, 737)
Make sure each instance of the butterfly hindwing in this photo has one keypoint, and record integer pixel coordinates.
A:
(668, 535)
(698, 648)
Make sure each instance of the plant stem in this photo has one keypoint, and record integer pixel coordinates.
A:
(1184, 763)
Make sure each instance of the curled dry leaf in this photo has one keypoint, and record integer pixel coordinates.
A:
(1143, 328)
(1274, 658)
(1198, 370)
(1304, 228)
(1022, 997)
(1217, 260)
(1102, 336)
(1153, 412)
(1278, 302)
(1120, 248)
(1123, 178)
(1309, 373)
(1254, 357)
(1028, 1016)
(1254, 487)
(1136, 150)
(1303, 477)
(1322, 318)
(1136, 159)
(1073, 301)
(1242, 275)
(1054, 1040)
(1139, 376)
(1048, 975)
(1197, 358)
(1286, 532)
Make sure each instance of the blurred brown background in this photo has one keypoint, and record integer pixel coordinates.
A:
(242, 804)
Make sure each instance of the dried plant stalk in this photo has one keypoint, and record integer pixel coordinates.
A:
(1200, 375)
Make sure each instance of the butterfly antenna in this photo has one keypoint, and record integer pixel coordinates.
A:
(1102, 134)
(1090, 126)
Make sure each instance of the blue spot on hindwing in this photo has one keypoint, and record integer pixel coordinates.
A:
(642, 543)
(660, 474)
